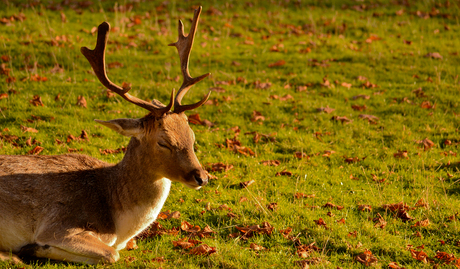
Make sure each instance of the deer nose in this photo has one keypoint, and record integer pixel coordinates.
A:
(201, 179)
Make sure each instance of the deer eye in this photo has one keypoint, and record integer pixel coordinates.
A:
(163, 145)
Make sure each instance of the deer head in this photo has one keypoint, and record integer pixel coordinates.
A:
(162, 142)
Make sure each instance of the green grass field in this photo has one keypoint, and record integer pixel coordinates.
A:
(371, 181)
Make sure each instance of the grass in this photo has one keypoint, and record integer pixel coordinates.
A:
(334, 41)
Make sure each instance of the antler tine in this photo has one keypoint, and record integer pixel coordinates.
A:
(96, 58)
(184, 46)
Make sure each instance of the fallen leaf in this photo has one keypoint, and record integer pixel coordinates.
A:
(257, 116)
(372, 119)
(331, 205)
(359, 108)
(278, 63)
(434, 55)
(203, 250)
(326, 109)
(320, 222)
(284, 173)
(396, 207)
(36, 150)
(427, 105)
(422, 223)
(420, 255)
(256, 247)
(246, 183)
(401, 154)
(36, 101)
(185, 243)
(167, 215)
(131, 244)
(219, 167)
(366, 258)
(427, 143)
(362, 96)
(343, 120)
(367, 208)
(379, 221)
(81, 101)
(272, 206)
(271, 163)
(300, 195)
(28, 129)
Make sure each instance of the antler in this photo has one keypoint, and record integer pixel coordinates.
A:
(96, 58)
(184, 46)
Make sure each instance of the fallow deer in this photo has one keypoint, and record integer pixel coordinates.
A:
(76, 208)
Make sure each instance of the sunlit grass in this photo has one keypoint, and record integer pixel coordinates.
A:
(322, 45)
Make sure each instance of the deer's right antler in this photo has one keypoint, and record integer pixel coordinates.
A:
(184, 47)
(96, 58)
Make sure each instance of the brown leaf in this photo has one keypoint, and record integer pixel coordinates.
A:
(195, 119)
(420, 255)
(256, 247)
(367, 208)
(167, 215)
(379, 221)
(187, 227)
(372, 119)
(404, 216)
(396, 207)
(203, 250)
(246, 183)
(105, 151)
(343, 120)
(257, 116)
(401, 154)
(331, 205)
(131, 244)
(284, 173)
(359, 108)
(219, 167)
(28, 129)
(300, 155)
(346, 85)
(320, 222)
(363, 96)
(427, 105)
(394, 265)
(36, 101)
(36, 150)
(81, 101)
(427, 143)
(434, 55)
(326, 109)
(366, 258)
(84, 135)
(272, 206)
(300, 195)
(422, 223)
(271, 163)
(278, 63)
(184, 243)
(3, 96)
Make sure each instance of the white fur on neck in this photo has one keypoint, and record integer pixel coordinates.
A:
(132, 222)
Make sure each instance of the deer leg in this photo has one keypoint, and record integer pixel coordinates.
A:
(82, 247)
(5, 256)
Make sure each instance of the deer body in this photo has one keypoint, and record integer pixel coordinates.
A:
(76, 208)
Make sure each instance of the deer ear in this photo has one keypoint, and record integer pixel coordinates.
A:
(126, 127)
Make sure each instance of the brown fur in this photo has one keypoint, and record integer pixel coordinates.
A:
(77, 208)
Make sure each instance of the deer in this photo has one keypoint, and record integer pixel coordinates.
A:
(76, 208)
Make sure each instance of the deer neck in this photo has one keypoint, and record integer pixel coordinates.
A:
(138, 194)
